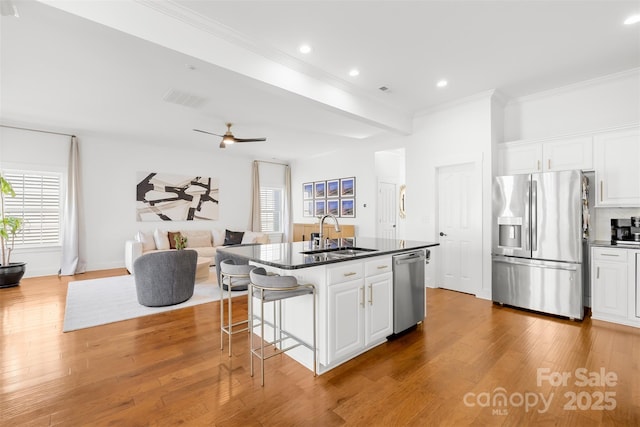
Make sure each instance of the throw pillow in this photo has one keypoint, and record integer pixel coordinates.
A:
(197, 238)
(218, 237)
(161, 239)
(172, 238)
(233, 237)
(146, 238)
(250, 237)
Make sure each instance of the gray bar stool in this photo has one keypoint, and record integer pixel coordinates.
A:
(233, 277)
(272, 288)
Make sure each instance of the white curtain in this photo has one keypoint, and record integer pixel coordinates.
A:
(73, 260)
(288, 211)
(255, 223)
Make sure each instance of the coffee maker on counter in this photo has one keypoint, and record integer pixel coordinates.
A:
(625, 231)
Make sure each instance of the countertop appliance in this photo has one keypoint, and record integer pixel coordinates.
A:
(408, 289)
(537, 249)
(625, 231)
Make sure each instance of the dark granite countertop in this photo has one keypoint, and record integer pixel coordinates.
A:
(608, 244)
(289, 256)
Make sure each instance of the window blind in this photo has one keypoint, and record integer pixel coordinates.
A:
(271, 209)
(38, 203)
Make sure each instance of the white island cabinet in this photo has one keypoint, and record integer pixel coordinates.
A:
(354, 293)
(355, 309)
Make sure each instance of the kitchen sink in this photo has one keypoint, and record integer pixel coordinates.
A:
(340, 252)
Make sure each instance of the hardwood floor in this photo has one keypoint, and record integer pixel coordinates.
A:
(168, 369)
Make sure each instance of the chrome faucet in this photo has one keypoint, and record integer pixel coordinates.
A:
(320, 235)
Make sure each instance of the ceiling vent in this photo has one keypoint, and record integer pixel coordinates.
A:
(185, 99)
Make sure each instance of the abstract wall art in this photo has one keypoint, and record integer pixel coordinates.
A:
(165, 197)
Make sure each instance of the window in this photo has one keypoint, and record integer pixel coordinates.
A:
(271, 207)
(37, 202)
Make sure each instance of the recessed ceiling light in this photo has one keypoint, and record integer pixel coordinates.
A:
(633, 19)
(442, 83)
(305, 48)
(354, 72)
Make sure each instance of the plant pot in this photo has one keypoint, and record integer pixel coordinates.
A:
(11, 274)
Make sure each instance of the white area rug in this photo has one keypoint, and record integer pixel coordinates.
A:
(112, 299)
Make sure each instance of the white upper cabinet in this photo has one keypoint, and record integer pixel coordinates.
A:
(568, 154)
(555, 155)
(617, 164)
(520, 158)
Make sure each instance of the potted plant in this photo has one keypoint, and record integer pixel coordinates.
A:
(10, 272)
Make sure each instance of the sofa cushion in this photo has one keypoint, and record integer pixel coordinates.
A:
(146, 238)
(197, 238)
(161, 239)
(173, 235)
(233, 237)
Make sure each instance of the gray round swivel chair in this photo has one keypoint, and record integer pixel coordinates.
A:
(165, 278)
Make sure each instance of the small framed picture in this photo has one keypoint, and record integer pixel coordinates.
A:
(333, 188)
(320, 191)
(307, 190)
(307, 208)
(347, 208)
(347, 187)
(320, 208)
(333, 207)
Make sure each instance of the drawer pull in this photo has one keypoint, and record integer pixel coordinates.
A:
(549, 164)
(350, 274)
(615, 255)
(380, 267)
(598, 273)
(601, 191)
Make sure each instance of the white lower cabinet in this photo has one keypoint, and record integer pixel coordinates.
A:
(359, 311)
(378, 308)
(346, 319)
(613, 285)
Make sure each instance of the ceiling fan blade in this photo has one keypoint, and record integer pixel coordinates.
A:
(249, 139)
(210, 133)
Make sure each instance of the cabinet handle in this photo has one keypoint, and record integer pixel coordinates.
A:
(601, 190)
(380, 267)
(349, 274)
(370, 294)
(598, 273)
(362, 295)
(538, 165)
(615, 255)
(549, 164)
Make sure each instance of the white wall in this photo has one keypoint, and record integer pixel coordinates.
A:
(108, 179)
(459, 134)
(358, 162)
(593, 105)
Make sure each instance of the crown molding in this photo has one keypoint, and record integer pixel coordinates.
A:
(576, 86)
(455, 103)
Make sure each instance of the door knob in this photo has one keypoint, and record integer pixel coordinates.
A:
(442, 234)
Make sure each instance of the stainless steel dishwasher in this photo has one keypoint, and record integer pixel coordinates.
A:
(408, 289)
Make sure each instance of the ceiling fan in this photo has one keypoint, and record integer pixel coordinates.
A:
(228, 138)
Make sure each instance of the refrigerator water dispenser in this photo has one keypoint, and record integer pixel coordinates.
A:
(510, 232)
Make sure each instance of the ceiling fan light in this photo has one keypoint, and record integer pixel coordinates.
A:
(228, 139)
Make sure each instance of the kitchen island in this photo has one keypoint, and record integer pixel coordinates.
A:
(354, 287)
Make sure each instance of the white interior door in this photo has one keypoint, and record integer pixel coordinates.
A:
(387, 210)
(459, 228)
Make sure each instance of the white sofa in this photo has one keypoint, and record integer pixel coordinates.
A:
(205, 242)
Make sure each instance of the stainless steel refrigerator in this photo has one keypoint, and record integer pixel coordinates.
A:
(538, 242)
